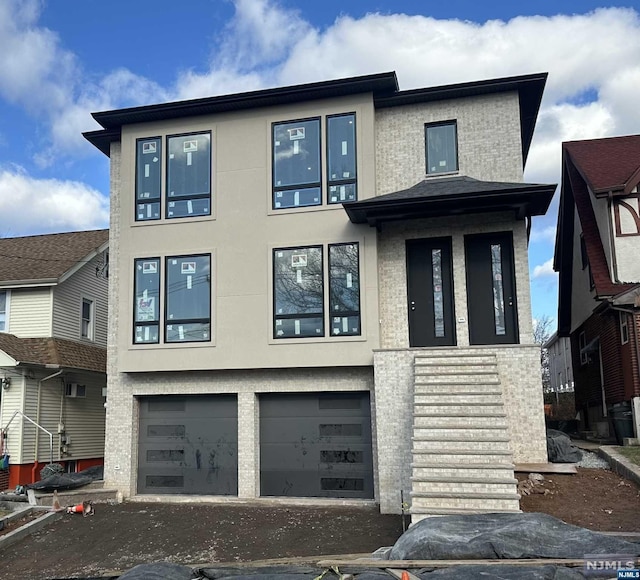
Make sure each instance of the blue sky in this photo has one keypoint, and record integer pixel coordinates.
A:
(61, 60)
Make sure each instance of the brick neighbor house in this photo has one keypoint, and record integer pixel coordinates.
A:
(596, 255)
(322, 291)
(53, 334)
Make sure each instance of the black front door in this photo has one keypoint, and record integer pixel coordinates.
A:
(430, 292)
(491, 289)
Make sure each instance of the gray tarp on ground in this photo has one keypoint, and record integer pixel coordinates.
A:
(503, 572)
(503, 535)
(159, 571)
(560, 449)
(68, 480)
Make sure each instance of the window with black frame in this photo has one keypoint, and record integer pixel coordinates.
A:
(298, 292)
(189, 175)
(188, 298)
(341, 158)
(344, 289)
(146, 317)
(148, 178)
(441, 140)
(296, 164)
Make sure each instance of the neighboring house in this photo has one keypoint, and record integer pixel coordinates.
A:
(560, 368)
(323, 291)
(597, 248)
(53, 336)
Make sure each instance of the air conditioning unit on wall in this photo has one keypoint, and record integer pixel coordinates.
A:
(75, 391)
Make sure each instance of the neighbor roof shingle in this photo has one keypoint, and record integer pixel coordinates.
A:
(607, 164)
(55, 351)
(46, 257)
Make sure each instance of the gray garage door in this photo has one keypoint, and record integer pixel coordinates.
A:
(188, 445)
(316, 445)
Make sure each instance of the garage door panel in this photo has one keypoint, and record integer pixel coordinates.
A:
(188, 445)
(316, 445)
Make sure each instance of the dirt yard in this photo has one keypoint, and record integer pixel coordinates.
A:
(118, 537)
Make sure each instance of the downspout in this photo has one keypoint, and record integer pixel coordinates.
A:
(35, 458)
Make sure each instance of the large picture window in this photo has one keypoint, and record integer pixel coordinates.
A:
(187, 299)
(441, 140)
(298, 169)
(300, 282)
(187, 187)
(189, 175)
(296, 164)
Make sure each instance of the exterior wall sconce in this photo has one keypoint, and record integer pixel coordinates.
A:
(5, 382)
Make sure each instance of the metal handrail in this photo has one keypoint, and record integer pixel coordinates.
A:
(18, 412)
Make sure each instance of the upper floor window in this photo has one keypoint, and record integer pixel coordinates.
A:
(441, 140)
(624, 327)
(187, 299)
(299, 280)
(582, 345)
(187, 185)
(4, 307)
(297, 162)
(88, 319)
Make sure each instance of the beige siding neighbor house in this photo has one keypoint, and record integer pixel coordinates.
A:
(321, 291)
(53, 337)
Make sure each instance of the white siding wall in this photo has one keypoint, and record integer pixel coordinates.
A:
(627, 246)
(30, 431)
(11, 400)
(30, 315)
(582, 302)
(67, 303)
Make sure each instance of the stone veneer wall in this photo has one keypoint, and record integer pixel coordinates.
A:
(519, 369)
(122, 411)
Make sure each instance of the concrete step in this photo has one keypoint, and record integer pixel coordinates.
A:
(462, 399)
(423, 501)
(463, 457)
(454, 369)
(445, 485)
(459, 422)
(460, 388)
(461, 444)
(419, 514)
(435, 466)
(439, 358)
(458, 410)
(458, 379)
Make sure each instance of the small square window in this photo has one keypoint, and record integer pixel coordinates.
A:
(441, 145)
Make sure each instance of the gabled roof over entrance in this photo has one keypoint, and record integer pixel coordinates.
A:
(452, 196)
(52, 352)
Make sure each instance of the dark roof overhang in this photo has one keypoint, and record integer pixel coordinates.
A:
(452, 196)
(112, 121)
(529, 88)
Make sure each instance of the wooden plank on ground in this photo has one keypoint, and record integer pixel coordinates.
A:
(398, 573)
(405, 564)
(545, 468)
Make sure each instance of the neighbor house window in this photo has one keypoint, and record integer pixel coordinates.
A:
(86, 330)
(341, 158)
(300, 284)
(187, 187)
(441, 147)
(146, 318)
(624, 327)
(188, 299)
(4, 301)
(582, 344)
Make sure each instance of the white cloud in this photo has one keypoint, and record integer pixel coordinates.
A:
(544, 270)
(543, 233)
(48, 205)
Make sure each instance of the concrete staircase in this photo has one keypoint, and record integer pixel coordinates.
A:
(461, 458)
